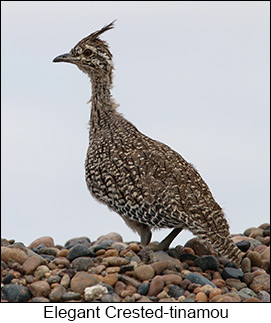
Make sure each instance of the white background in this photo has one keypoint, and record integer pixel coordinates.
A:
(194, 75)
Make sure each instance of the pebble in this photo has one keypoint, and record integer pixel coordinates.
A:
(255, 258)
(128, 291)
(143, 289)
(236, 283)
(40, 288)
(175, 291)
(252, 300)
(65, 280)
(110, 279)
(199, 248)
(7, 279)
(246, 265)
(173, 263)
(134, 246)
(15, 293)
(30, 265)
(81, 280)
(70, 296)
(229, 272)
(159, 266)
(144, 272)
(79, 250)
(57, 293)
(115, 261)
(156, 286)
(16, 254)
(245, 293)
(261, 283)
(94, 292)
(82, 263)
(199, 279)
(207, 262)
(201, 297)
(74, 241)
(119, 287)
(264, 296)
(40, 300)
(113, 236)
(266, 254)
(54, 279)
(243, 245)
(46, 241)
(111, 253)
(172, 279)
(214, 292)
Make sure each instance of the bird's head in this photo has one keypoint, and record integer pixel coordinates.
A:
(91, 55)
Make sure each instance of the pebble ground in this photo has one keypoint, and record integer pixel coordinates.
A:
(110, 270)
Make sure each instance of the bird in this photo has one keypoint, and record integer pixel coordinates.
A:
(147, 183)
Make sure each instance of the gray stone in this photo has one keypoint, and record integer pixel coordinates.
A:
(175, 291)
(74, 241)
(15, 293)
(82, 263)
(264, 296)
(199, 279)
(143, 289)
(245, 293)
(69, 296)
(207, 262)
(79, 250)
(229, 272)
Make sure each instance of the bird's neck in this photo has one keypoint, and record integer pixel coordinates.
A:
(103, 107)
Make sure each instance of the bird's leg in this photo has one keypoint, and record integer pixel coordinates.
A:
(165, 243)
(145, 235)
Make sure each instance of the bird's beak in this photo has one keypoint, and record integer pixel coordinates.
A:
(68, 58)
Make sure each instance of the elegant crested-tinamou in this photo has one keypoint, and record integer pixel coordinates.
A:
(146, 182)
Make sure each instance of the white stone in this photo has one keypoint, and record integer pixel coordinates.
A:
(94, 292)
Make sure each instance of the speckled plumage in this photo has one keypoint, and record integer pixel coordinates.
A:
(146, 182)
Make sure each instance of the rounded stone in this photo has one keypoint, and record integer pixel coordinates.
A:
(252, 300)
(134, 246)
(113, 236)
(246, 265)
(54, 279)
(94, 292)
(79, 250)
(229, 272)
(207, 262)
(201, 297)
(70, 296)
(110, 279)
(255, 258)
(143, 289)
(46, 241)
(16, 254)
(15, 293)
(156, 286)
(261, 283)
(214, 292)
(199, 248)
(159, 266)
(40, 299)
(255, 233)
(266, 254)
(144, 272)
(30, 265)
(248, 231)
(81, 280)
(175, 291)
(111, 253)
(173, 263)
(40, 288)
(57, 293)
(245, 293)
(65, 280)
(199, 279)
(243, 245)
(7, 279)
(236, 283)
(115, 261)
(82, 263)
(264, 296)
(119, 287)
(80, 240)
(172, 279)
(41, 271)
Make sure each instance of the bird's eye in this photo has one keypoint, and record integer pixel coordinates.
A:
(87, 52)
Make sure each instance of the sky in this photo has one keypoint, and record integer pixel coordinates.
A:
(194, 75)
